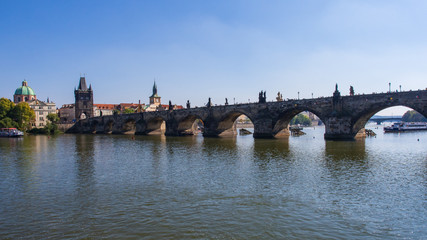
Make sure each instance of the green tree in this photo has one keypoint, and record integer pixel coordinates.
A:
(301, 119)
(53, 117)
(7, 123)
(128, 110)
(5, 107)
(51, 126)
(413, 116)
(22, 114)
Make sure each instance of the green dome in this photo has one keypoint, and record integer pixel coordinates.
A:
(24, 90)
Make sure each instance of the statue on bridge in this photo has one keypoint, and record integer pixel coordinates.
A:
(170, 105)
(279, 97)
(188, 104)
(351, 91)
(262, 97)
(226, 101)
(337, 93)
(209, 103)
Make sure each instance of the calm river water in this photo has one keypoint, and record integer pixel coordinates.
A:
(105, 186)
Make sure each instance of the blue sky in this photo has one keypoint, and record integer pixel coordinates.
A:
(217, 49)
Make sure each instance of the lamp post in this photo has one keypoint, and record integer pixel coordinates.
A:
(400, 87)
(311, 95)
(298, 95)
(389, 87)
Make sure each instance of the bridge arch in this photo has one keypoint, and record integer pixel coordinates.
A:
(93, 126)
(190, 125)
(227, 123)
(281, 126)
(363, 117)
(129, 126)
(108, 126)
(155, 126)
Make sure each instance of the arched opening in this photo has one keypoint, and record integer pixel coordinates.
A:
(233, 123)
(93, 126)
(156, 126)
(129, 127)
(244, 125)
(108, 127)
(294, 121)
(191, 125)
(386, 116)
(82, 116)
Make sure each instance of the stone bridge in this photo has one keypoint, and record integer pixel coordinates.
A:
(344, 116)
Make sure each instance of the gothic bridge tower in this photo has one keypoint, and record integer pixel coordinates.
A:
(84, 100)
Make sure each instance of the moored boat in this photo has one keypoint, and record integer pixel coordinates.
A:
(10, 132)
(406, 126)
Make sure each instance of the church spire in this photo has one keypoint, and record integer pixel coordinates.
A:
(154, 88)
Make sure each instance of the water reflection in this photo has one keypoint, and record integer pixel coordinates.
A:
(348, 150)
(85, 171)
(266, 149)
(32, 150)
(211, 146)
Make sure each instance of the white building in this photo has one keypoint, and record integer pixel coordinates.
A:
(41, 109)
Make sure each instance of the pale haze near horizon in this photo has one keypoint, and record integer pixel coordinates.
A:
(220, 49)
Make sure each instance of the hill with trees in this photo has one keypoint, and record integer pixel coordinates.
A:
(413, 116)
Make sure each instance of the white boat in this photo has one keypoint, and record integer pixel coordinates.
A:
(10, 132)
(406, 126)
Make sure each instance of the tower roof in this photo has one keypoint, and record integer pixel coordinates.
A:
(82, 84)
(25, 90)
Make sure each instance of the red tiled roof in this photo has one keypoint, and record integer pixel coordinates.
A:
(106, 106)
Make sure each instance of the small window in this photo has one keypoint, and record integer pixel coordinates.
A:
(40, 124)
(26, 98)
(41, 119)
(19, 99)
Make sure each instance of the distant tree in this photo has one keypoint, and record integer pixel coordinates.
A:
(115, 112)
(7, 123)
(301, 119)
(128, 110)
(53, 117)
(51, 126)
(413, 116)
(22, 114)
(19, 115)
(5, 107)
